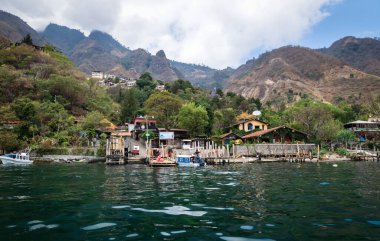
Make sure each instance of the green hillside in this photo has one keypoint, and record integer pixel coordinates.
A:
(46, 100)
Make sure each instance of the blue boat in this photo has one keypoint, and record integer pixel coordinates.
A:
(190, 161)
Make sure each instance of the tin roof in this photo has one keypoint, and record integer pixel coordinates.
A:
(263, 132)
(122, 134)
(362, 122)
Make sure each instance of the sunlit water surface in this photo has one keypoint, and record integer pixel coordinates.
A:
(269, 201)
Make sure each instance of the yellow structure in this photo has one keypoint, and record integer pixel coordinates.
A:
(251, 124)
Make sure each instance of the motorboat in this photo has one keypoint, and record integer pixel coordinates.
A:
(20, 158)
(189, 161)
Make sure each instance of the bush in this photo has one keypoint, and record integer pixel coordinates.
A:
(52, 151)
(342, 152)
(101, 152)
(82, 151)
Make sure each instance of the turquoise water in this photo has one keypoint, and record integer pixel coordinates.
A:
(269, 201)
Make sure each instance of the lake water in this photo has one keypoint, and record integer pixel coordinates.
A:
(268, 201)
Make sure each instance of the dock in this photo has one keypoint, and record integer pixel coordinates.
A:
(365, 156)
(115, 150)
(162, 163)
(228, 161)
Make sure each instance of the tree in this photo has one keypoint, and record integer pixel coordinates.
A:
(91, 122)
(219, 92)
(55, 116)
(145, 80)
(129, 106)
(180, 84)
(27, 40)
(26, 110)
(223, 118)
(164, 106)
(318, 119)
(9, 141)
(345, 136)
(193, 118)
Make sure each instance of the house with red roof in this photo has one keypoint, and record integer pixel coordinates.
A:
(280, 134)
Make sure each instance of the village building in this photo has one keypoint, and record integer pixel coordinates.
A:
(230, 138)
(140, 124)
(110, 76)
(281, 134)
(131, 84)
(97, 75)
(172, 137)
(249, 125)
(160, 87)
(364, 130)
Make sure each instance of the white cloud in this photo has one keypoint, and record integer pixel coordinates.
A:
(218, 33)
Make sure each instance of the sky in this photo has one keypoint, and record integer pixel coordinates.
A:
(216, 33)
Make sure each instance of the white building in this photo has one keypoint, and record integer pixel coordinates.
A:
(109, 76)
(97, 74)
(131, 83)
(160, 87)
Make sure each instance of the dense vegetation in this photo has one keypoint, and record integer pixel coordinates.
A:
(51, 104)
(48, 99)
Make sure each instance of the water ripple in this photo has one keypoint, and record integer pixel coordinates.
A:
(175, 210)
(98, 226)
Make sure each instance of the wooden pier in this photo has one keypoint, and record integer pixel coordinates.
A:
(162, 163)
(221, 155)
(115, 153)
(365, 156)
(228, 161)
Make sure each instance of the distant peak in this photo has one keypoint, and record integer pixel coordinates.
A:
(57, 27)
(98, 33)
(161, 54)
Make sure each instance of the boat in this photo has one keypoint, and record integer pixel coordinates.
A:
(20, 158)
(186, 161)
(161, 161)
(190, 160)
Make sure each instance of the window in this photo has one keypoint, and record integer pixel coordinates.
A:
(250, 126)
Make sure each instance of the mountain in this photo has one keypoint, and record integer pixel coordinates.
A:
(361, 53)
(289, 73)
(158, 65)
(63, 37)
(349, 68)
(100, 51)
(203, 76)
(15, 29)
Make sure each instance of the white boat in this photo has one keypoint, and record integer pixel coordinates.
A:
(21, 158)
